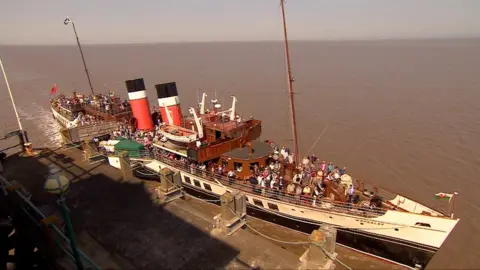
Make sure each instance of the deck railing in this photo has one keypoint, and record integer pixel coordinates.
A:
(36, 216)
(281, 195)
(113, 110)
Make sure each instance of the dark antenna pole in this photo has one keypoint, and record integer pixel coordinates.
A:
(290, 86)
(66, 22)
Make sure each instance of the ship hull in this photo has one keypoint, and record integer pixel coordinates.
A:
(62, 120)
(398, 250)
(407, 254)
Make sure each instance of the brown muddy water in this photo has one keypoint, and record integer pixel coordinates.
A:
(401, 114)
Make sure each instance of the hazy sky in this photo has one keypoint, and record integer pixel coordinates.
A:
(120, 21)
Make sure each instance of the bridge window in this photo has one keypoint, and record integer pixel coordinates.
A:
(187, 180)
(258, 202)
(207, 186)
(197, 183)
(238, 166)
(423, 224)
(273, 206)
(225, 163)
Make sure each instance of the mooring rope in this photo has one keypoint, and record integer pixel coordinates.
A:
(321, 246)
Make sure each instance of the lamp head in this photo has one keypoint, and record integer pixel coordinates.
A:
(67, 20)
(57, 184)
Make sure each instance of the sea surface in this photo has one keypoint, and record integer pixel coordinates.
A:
(401, 114)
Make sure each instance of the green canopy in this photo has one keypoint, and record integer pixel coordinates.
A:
(132, 147)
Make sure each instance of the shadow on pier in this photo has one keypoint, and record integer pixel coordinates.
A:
(120, 216)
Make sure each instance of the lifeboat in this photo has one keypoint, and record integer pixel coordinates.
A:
(178, 134)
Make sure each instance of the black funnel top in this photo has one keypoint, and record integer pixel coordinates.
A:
(161, 90)
(130, 86)
(139, 84)
(172, 89)
(165, 90)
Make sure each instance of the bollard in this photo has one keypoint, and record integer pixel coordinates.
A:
(227, 203)
(315, 257)
(166, 180)
(28, 149)
(316, 254)
(170, 186)
(232, 213)
(330, 233)
(124, 163)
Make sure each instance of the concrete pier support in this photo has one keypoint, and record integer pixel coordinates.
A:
(170, 186)
(124, 165)
(233, 212)
(321, 252)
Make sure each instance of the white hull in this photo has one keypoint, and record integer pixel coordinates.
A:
(65, 122)
(399, 228)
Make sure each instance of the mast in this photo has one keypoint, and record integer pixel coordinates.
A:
(66, 22)
(290, 86)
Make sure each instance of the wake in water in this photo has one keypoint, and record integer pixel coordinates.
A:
(46, 127)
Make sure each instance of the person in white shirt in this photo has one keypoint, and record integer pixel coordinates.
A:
(351, 192)
(231, 177)
(297, 178)
(290, 158)
(262, 183)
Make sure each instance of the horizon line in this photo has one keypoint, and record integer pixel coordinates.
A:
(247, 41)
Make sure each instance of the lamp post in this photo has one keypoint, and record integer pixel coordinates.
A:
(25, 139)
(66, 22)
(57, 184)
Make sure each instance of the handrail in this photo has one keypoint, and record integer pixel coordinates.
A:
(113, 111)
(5, 183)
(306, 201)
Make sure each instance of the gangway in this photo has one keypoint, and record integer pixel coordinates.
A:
(88, 132)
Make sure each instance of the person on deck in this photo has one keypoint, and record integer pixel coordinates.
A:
(253, 182)
(262, 183)
(330, 167)
(350, 192)
(231, 177)
(280, 183)
(297, 178)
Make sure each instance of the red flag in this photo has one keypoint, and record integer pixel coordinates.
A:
(54, 89)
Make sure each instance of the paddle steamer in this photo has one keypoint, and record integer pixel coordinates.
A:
(372, 220)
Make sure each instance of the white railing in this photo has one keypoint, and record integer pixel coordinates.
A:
(281, 195)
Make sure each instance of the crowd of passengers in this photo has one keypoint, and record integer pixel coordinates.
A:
(309, 183)
(147, 138)
(104, 102)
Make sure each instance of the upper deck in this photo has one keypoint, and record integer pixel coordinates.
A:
(99, 106)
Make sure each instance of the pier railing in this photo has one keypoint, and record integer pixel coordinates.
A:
(276, 194)
(38, 216)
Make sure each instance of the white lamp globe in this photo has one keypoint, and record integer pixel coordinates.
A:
(57, 184)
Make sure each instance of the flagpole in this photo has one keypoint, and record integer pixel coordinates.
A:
(13, 102)
(453, 204)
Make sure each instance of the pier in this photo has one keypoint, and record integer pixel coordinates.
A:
(119, 223)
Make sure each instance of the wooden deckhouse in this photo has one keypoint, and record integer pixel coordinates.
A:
(244, 159)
